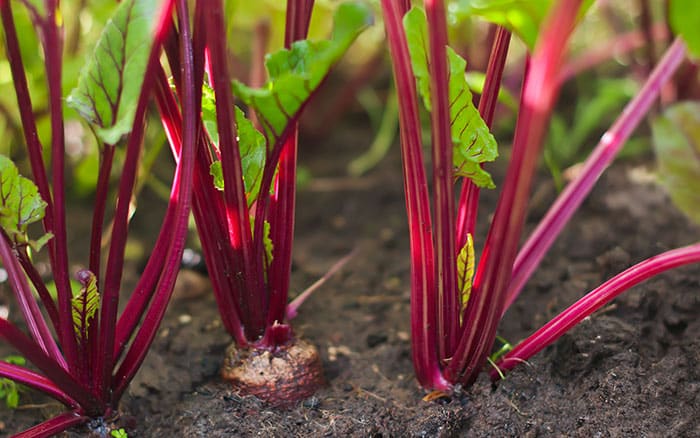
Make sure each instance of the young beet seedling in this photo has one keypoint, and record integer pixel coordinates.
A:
(244, 191)
(453, 318)
(96, 353)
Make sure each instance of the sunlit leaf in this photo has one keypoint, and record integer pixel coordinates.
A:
(684, 16)
(110, 83)
(296, 73)
(20, 205)
(676, 137)
(472, 141)
(476, 81)
(85, 304)
(522, 17)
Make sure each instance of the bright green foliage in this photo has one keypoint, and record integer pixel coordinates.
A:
(296, 73)
(251, 144)
(110, 83)
(465, 271)
(20, 205)
(684, 16)
(676, 137)
(85, 305)
(9, 389)
(209, 113)
(119, 433)
(472, 141)
(476, 81)
(267, 242)
(522, 17)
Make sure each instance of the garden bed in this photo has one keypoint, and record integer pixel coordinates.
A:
(629, 370)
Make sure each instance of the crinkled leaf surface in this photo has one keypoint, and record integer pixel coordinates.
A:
(267, 241)
(472, 141)
(676, 138)
(251, 144)
(684, 16)
(110, 83)
(85, 304)
(465, 271)
(294, 74)
(20, 205)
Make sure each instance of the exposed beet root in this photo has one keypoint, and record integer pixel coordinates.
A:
(291, 373)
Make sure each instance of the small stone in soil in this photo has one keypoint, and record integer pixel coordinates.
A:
(312, 403)
(375, 339)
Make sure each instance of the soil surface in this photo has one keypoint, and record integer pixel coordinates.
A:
(629, 370)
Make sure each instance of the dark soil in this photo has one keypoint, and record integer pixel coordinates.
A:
(629, 370)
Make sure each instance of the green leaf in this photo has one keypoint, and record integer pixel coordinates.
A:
(15, 360)
(676, 138)
(465, 271)
(217, 173)
(684, 16)
(522, 17)
(85, 304)
(12, 398)
(209, 112)
(20, 205)
(472, 141)
(476, 81)
(118, 433)
(252, 147)
(267, 241)
(110, 83)
(295, 73)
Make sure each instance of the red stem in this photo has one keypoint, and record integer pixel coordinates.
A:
(448, 304)
(30, 310)
(605, 152)
(115, 262)
(493, 274)
(53, 46)
(24, 105)
(253, 303)
(98, 213)
(180, 201)
(35, 381)
(39, 285)
(423, 304)
(51, 369)
(207, 204)
(468, 205)
(283, 200)
(594, 300)
(53, 426)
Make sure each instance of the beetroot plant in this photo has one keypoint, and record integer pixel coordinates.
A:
(244, 188)
(456, 303)
(96, 352)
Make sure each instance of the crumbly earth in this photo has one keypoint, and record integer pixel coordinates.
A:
(629, 370)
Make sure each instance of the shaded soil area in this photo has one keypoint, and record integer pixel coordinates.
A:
(629, 370)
